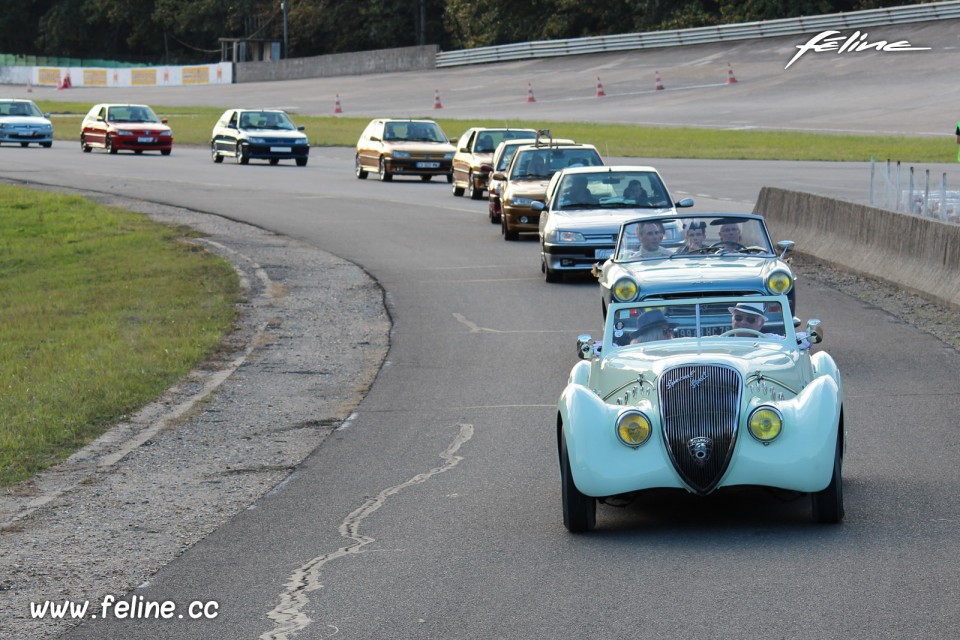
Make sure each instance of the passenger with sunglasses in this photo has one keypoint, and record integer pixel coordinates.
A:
(747, 315)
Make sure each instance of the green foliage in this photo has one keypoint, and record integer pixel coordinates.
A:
(187, 31)
(101, 311)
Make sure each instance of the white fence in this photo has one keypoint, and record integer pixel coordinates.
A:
(903, 189)
(702, 35)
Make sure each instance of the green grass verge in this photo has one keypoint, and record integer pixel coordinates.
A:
(192, 125)
(101, 310)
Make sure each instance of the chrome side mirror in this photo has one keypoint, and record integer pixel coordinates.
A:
(814, 331)
(538, 206)
(785, 246)
(796, 322)
(584, 346)
(686, 202)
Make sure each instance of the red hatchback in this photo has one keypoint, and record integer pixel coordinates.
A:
(134, 127)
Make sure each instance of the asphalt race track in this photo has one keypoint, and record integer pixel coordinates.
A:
(453, 448)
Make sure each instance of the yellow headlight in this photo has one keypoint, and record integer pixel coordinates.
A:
(765, 424)
(779, 282)
(625, 290)
(633, 428)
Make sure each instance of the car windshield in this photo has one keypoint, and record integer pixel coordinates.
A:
(692, 236)
(488, 140)
(413, 132)
(131, 113)
(530, 164)
(757, 318)
(275, 120)
(12, 108)
(612, 190)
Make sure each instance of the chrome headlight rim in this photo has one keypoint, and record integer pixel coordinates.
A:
(779, 273)
(779, 418)
(621, 426)
(621, 281)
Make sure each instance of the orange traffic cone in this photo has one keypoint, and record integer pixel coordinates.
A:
(336, 105)
(436, 100)
(530, 97)
(600, 91)
(659, 86)
(731, 79)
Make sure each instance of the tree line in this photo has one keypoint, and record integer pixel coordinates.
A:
(188, 31)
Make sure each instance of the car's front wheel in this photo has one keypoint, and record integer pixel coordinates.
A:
(457, 190)
(108, 145)
(828, 504)
(84, 146)
(549, 274)
(384, 174)
(579, 510)
(241, 156)
(358, 168)
(214, 154)
(46, 145)
(302, 162)
(426, 178)
(505, 231)
(472, 191)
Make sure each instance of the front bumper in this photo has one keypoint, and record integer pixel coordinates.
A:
(277, 151)
(575, 257)
(522, 219)
(142, 143)
(19, 136)
(419, 166)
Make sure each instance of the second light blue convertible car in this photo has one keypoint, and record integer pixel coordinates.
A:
(699, 394)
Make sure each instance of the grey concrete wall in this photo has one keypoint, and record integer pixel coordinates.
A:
(918, 254)
(339, 64)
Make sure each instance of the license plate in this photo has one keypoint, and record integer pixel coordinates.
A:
(281, 149)
(428, 165)
(707, 331)
(602, 254)
(144, 140)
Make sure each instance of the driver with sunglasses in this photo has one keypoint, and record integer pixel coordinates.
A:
(747, 315)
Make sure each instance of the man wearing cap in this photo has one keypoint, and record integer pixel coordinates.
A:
(747, 315)
(653, 325)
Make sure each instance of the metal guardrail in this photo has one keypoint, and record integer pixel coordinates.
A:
(702, 35)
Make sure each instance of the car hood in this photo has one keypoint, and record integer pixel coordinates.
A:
(139, 126)
(774, 358)
(274, 134)
(23, 120)
(598, 220)
(422, 147)
(528, 188)
(704, 273)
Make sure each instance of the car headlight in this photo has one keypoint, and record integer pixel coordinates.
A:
(567, 236)
(448, 156)
(401, 154)
(633, 428)
(779, 282)
(521, 202)
(256, 140)
(300, 141)
(166, 133)
(625, 289)
(765, 424)
(124, 132)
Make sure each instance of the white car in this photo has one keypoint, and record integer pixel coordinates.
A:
(584, 208)
(258, 134)
(22, 122)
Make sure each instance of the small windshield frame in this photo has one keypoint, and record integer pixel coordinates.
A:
(689, 236)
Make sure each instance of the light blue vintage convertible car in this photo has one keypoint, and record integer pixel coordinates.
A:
(701, 394)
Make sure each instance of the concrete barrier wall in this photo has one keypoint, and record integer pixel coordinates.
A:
(339, 64)
(917, 254)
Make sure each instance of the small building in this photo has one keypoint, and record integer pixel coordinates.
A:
(249, 50)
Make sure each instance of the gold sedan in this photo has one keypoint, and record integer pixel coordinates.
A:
(392, 147)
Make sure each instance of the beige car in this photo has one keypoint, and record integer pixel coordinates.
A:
(501, 162)
(473, 161)
(404, 147)
(527, 178)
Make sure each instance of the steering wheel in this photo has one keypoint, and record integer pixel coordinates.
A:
(729, 246)
(750, 333)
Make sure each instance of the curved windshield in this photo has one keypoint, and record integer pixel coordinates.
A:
(692, 236)
(11, 108)
(530, 164)
(275, 120)
(131, 113)
(612, 190)
(413, 132)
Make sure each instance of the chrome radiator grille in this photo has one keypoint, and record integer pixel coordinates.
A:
(699, 409)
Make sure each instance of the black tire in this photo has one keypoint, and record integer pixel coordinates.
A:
(472, 191)
(384, 174)
(450, 178)
(166, 152)
(507, 234)
(494, 218)
(214, 154)
(358, 168)
(108, 145)
(457, 190)
(24, 144)
(139, 151)
(426, 178)
(549, 274)
(302, 162)
(241, 155)
(828, 504)
(84, 146)
(47, 145)
(579, 511)
(274, 161)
